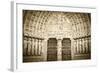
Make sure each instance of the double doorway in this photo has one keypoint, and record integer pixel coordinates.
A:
(53, 49)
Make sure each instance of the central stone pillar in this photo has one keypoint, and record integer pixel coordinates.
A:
(59, 49)
(44, 49)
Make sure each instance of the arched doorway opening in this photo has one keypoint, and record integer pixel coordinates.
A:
(66, 49)
(52, 49)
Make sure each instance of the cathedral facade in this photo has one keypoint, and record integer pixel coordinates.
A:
(56, 36)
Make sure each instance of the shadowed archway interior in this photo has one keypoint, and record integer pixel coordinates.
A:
(55, 35)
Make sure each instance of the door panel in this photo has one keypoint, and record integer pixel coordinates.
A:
(52, 49)
(66, 49)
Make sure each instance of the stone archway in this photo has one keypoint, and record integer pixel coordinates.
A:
(40, 25)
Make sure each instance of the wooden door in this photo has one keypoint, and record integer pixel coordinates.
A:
(66, 49)
(52, 49)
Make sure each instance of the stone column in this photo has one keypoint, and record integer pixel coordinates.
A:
(89, 44)
(86, 45)
(32, 46)
(59, 48)
(25, 46)
(41, 47)
(35, 46)
(72, 48)
(39, 41)
(83, 50)
(44, 49)
(80, 43)
(29, 46)
(77, 46)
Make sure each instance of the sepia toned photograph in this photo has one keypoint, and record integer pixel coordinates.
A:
(55, 36)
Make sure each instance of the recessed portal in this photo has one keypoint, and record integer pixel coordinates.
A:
(56, 36)
(52, 49)
(66, 49)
